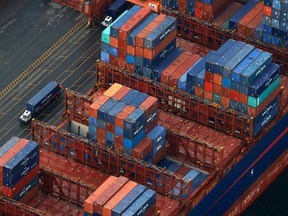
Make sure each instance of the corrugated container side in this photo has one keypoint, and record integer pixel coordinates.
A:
(93, 109)
(141, 204)
(134, 122)
(114, 112)
(102, 199)
(134, 21)
(34, 182)
(121, 194)
(158, 135)
(253, 24)
(8, 145)
(126, 202)
(121, 93)
(143, 148)
(235, 6)
(119, 120)
(149, 106)
(112, 90)
(130, 96)
(30, 194)
(139, 99)
(104, 109)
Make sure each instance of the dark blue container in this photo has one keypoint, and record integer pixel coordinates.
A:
(275, 40)
(283, 17)
(105, 57)
(92, 121)
(105, 47)
(209, 64)
(158, 135)
(92, 133)
(141, 204)
(275, 31)
(122, 20)
(147, 72)
(244, 89)
(139, 61)
(157, 71)
(129, 144)
(139, 99)
(110, 117)
(267, 29)
(152, 63)
(190, 7)
(276, 4)
(129, 97)
(265, 112)
(17, 167)
(238, 58)
(131, 37)
(267, 38)
(258, 32)
(173, 4)
(234, 105)
(126, 202)
(283, 28)
(264, 121)
(268, 3)
(160, 33)
(235, 86)
(118, 131)
(104, 109)
(226, 82)
(200, 79)
(151, 117)
(275, 14)
(113, 51)
(174, 167)
(264, 80)
(243, 108)
(129, 59)
(275, 23)
(256, 68)
(233, 21)
(110, 136)
(218, 68)
(8, 145)
(284, 7)
(190, 88)
(197, 68)
(101, 124)
(26, 188)
(266, 20)
(135, 121)
(138, 69)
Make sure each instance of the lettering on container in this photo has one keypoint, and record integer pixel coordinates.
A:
(159, 138)
(164, 34)
(138, 129)
(25, 190)
(261, 69)
(158, 147)
(143, 209)
(151, 117)
(267, 109)
(266, 120)
(269, 82)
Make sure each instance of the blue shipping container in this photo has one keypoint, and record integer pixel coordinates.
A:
(104, 109)
(105, 57)
(33, 183)
(8, 145)
(158, 135)
(130, 96)
(135, 121)
(139, 99)
(110, 117)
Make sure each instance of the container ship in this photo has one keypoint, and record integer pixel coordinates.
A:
(187, 114)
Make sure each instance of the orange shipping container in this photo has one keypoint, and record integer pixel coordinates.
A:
(148, 29)
(253, 24)
(174, 66)
(133, 22)
(208, 95)
(110, 92)
(88, 207)
(119, 120)
(95, 106)
(225, 91)
(151, 53)
(149, 105)
(118, 143)
(241, 26)
(121, 93)
(139, 51)
(267, 10)
(199, 91)
(182, 4)
(121, 194)
(217, 79)
(113, 42)
(175, 76)
(101, 136)
(102, 199)
(10, 154)
(152, 4)
(130, 50)
(216, 88)
(142, 148)
(235, 6)
(243, 98)
(208, 86)
(208, 76)
(225, 101)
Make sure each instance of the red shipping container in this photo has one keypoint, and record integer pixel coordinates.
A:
(267, 10)
(121, 93)
(253, 24)
(208, 86)
(113, 42)
(243, 98)
(10, 154)
(151, 53)
(225, 92)
(133, 22)
(121, 45)
(102, 199)
(175, 76)
(208, 76)
(217, 79)
(130, 50)
(150, 211)
(118, 143)
(139, 51)
(216, 8)
(235, 6)
(88, 205)
(225, 101)
(174, 66)
(199, 91)
(31, 194)
(151, 125)
(11, 192)
(198, 13)
(208, 95)
(256, 111)
(95, 106)
(112, 90)
(143, 148)
(234, 95)
(182, 6)
(119, 119)
(159, 156)
(130, 68)
(241, 26)
(122, 62)
(199, 4)
(217, 89)
(149, 105)
(121, 194)
(113, 59)
(148, 29)
(101, 136)
(110, 127)
(122, 54)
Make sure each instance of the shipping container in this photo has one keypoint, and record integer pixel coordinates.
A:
(143, 148)
(33, 183)
(113, 90)
(95, 106)
(112, 113)
(121, 93)
(158, 135)
(119, 120)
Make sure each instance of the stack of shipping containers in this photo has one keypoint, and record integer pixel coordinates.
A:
(126, 120)
(119, 196)
(19, 163)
